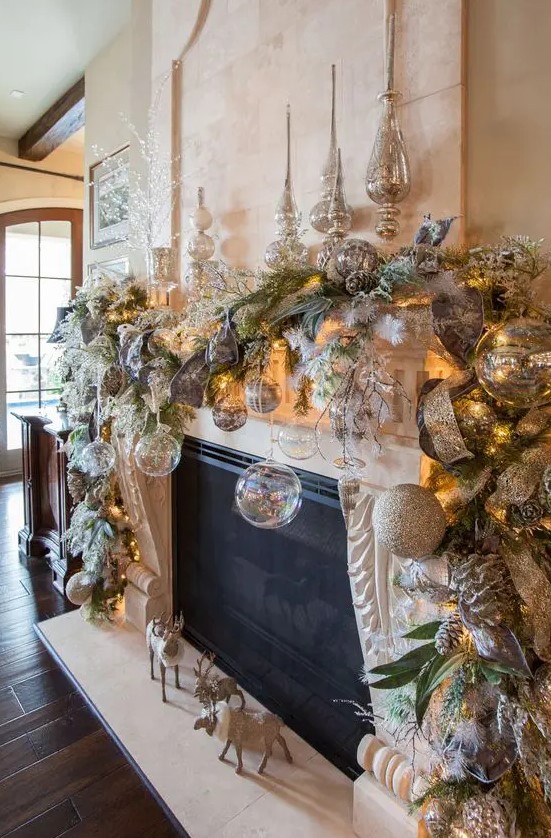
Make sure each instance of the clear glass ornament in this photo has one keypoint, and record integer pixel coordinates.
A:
(268, 495)
(98, 458)
(513, 363)
(157, 454)
(263, 395)
(229, 413)
(298, 441)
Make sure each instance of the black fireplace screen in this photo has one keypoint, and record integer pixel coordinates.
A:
(274, 605)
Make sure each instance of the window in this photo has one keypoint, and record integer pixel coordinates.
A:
(41, 265)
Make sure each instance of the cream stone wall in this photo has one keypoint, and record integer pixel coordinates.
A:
(508, 118)
(108, 95)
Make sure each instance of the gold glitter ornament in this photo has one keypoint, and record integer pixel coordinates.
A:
(474, 418)
(79, 588)
(484, 816)
(409, 521)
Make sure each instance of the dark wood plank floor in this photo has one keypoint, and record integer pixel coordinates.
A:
(60, 772)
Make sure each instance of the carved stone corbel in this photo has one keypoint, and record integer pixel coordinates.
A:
(148, 504)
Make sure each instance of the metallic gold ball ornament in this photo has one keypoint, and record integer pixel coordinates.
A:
(98, 458)
(229, 413)
(157, 454)
(409, 521)
(513, 363)
(268, 495)
(474, 418)
(79, 588)
(355, 255)
(263, 395)
(298, 441)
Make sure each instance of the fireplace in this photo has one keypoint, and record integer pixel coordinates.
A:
(274, 606)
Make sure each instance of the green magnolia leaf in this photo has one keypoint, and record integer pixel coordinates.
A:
(431, 677)
(491, 674)
(425, 632)
(412, 661)
(400, 679)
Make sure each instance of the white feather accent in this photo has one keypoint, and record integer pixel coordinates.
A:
(390, 328)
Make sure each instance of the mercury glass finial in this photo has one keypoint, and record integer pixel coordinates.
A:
(339, 215)
(388, 178)
(288, 249)
(319, 214)
(200, 246)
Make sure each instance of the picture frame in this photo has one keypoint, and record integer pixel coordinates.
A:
(118, 268)
(109, 199)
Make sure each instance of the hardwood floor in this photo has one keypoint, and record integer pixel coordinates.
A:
(60, 772)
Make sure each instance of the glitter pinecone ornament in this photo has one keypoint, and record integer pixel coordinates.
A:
(449, 635)
(483, 582)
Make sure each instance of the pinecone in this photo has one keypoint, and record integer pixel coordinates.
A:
(449, 635)
(360, 281)
(77, 483)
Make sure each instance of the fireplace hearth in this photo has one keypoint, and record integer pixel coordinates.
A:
(274, 606)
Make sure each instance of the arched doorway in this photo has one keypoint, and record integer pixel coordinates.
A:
(40, 268)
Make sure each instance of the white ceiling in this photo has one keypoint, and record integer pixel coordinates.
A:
(45, 46)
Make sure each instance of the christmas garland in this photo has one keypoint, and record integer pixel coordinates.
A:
(474, 541)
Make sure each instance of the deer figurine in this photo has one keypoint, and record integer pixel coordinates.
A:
(164, 642)
(213, 689)
(238, 727)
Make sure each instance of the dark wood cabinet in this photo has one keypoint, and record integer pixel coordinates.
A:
(47, 503)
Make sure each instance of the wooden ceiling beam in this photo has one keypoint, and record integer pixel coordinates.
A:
(55, 126)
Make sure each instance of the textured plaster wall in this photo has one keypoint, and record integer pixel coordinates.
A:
(509, 118)
(254, 56)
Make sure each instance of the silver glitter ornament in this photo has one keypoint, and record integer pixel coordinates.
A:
(79, 588)
(263, 395)
(355, 255)
(409, 521)
(229, 413)
(268, 495)
(98, 458)
(513, 362)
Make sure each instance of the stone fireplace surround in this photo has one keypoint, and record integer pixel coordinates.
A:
(381, 793)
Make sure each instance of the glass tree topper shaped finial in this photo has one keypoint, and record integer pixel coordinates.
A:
(287, 249)
(388, 179)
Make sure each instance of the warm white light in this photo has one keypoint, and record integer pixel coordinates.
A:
(17, 94)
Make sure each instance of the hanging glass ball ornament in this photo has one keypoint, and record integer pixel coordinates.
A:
(229, 413)
(355, 255)
(79, 588)
(298, 441)
(263, 395)
(98, 458)
(157, 454)
(409, 520)
(513, 363)
(268, 495)
(475, 419)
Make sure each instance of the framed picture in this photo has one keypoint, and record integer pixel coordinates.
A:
(113, 268)
(109, 181)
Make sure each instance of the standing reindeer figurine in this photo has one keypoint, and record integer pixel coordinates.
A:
(213, 689)
(165, 642)
(239, 727)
